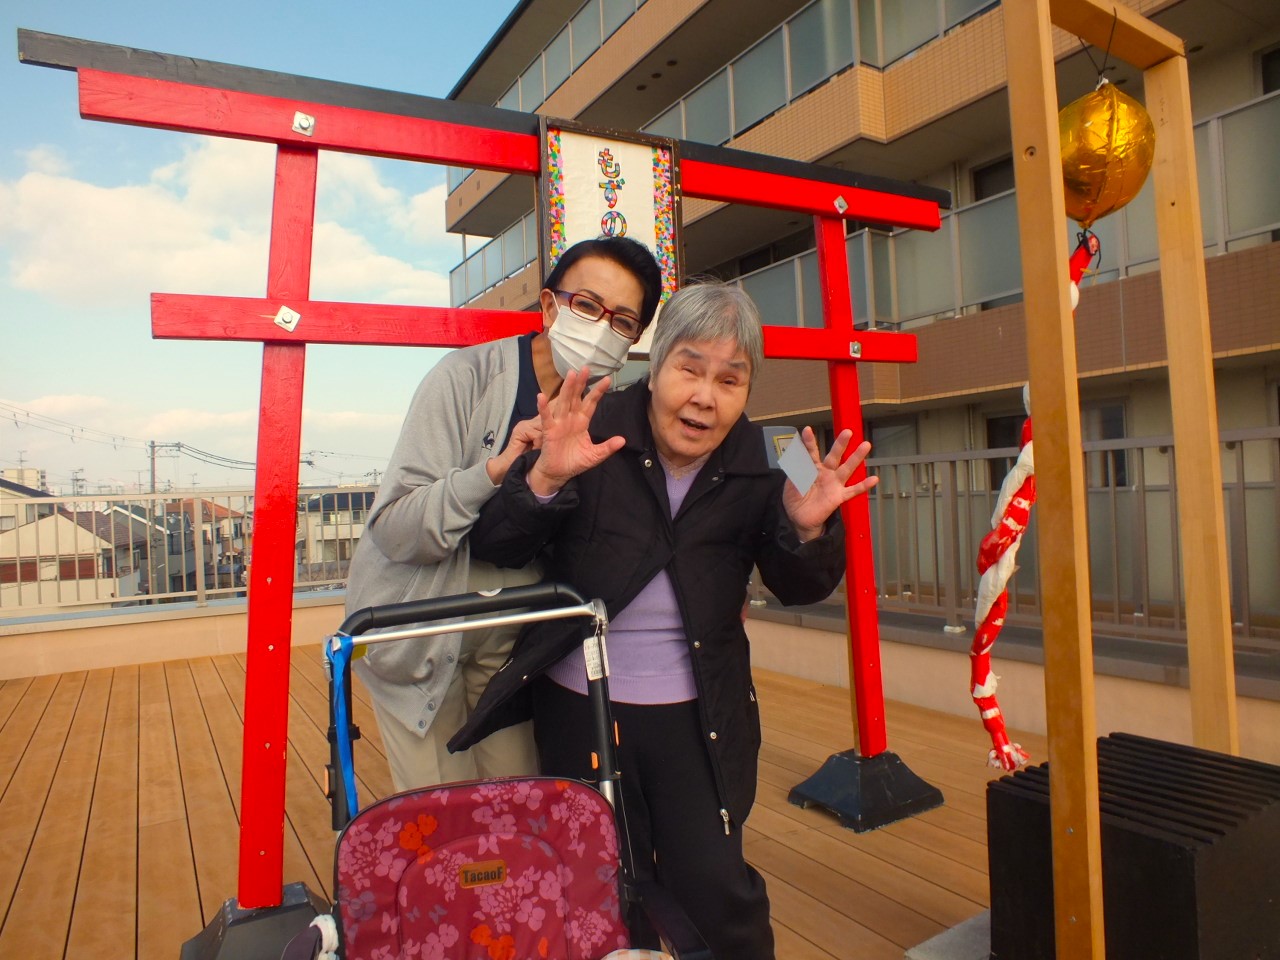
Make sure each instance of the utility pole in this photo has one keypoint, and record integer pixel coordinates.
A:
(76, 481)
(177, 447)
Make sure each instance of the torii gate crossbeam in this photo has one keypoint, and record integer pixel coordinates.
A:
(302, 117)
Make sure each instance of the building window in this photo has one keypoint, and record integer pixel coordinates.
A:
(1105, 421)
(1003, 431)
(1270, 62)
(992, 179)
(893, 437)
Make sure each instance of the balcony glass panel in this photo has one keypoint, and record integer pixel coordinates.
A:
(854, 248)
(759, 82)
(556, 60)
(513, 257)
(458, 285)
(868, 34)
(475, 276)
(1250, 145)
(958, 10)
(882, 272)
(821, 42)
(810, 290)
(532, 91)
(586, 32)
(455, 175)
(492, 254)
(706, 111)
(670, 124)
(907, 24)
(531, 237)
(922, 263)
(615, 13)
(990, 260)
(1140, 225)
(774, 291)
(1210, 196)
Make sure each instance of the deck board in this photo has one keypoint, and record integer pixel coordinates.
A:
(168, 897)
(105, 909)
(120, 794)
(47, 889)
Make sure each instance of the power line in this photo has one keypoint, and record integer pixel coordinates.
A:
(77, 433)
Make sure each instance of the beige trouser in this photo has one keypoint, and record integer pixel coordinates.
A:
(424, 761)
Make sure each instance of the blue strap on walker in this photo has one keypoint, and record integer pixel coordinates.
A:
(339, 660)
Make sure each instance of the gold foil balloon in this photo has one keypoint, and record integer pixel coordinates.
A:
(1108, 142)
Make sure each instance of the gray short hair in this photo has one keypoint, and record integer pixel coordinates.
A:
(708, 310)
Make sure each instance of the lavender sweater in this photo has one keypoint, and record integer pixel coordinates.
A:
(648, 651)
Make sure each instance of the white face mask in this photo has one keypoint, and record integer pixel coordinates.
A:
(578, 343)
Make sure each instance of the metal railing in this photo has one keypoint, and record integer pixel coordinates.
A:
(68, 554)
(930, 513)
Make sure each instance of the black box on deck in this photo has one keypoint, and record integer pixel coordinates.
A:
(1190, 856)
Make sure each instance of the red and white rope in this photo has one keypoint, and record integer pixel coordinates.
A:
(997, 561)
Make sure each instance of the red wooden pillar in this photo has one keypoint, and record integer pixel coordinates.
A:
(865, 676)
(275, 505)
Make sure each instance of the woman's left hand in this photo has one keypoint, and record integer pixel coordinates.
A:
(809, 513)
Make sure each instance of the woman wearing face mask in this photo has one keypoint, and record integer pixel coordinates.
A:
(472, 415)
(659, 500)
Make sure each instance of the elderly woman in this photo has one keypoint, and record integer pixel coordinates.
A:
(659, 500)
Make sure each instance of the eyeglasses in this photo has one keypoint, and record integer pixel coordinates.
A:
(588, 309)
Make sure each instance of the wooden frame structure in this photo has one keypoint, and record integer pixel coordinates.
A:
(302, 116)
(1064, 554)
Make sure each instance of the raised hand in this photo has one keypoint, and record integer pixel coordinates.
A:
(567, 448)
(809, 513)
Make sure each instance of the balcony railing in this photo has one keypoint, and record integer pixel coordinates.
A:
(929, 514)
(68, 554)
(972, 261)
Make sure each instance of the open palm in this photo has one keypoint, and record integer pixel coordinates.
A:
(809, 512)
(567, 447)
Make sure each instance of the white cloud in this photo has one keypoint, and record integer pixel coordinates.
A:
(201, 225)
(347, 267)
(47, 159)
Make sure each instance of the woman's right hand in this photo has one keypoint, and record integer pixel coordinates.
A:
(567, 448)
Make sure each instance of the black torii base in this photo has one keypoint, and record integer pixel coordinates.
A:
(866, 793)
(256, 934)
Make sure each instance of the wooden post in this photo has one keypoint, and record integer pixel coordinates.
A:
(1202, 529)
(1064, 548)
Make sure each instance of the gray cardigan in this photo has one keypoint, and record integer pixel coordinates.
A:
(414, 544)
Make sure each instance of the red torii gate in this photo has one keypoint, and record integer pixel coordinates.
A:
(301, 116)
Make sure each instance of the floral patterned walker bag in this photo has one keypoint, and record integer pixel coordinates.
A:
(493, 870)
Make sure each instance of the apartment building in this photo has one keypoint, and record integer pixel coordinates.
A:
(915, 90)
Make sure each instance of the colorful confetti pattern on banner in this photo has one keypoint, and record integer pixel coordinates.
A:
(555, 194)
(664, 221)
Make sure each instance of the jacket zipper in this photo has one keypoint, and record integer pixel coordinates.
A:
(650, 459)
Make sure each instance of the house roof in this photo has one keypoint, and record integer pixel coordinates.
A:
(115, 530)
(20, 490)
(209, 509)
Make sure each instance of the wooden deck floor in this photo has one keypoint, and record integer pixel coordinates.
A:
(119, 796)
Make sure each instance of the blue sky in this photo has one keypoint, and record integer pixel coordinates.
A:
(95, 216)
